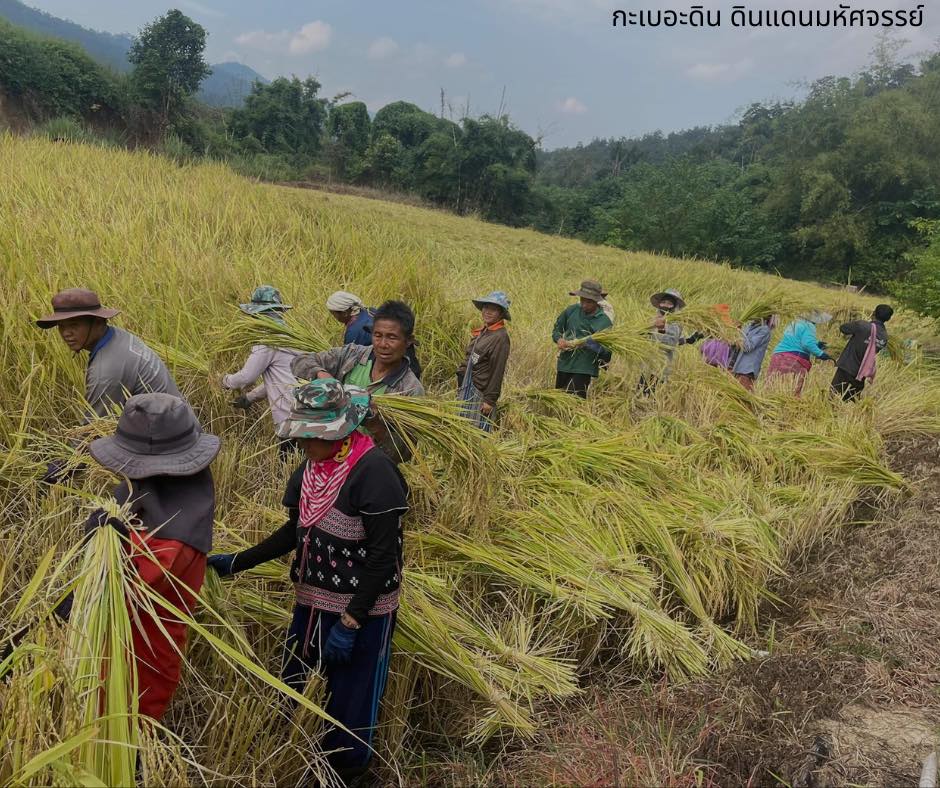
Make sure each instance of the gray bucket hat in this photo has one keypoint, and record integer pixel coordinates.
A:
(674, 295)
(590, 289)
(157, 435)
(265, 299)
(496, 298)
(325, 409)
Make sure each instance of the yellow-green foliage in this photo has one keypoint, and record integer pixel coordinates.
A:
(642, 533)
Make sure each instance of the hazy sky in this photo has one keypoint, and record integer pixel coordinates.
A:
(567, 73)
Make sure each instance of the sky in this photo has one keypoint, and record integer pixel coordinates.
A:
(558, 67)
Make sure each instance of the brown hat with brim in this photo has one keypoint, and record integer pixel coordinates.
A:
(591, 290)
(156, 435)
(75, 302)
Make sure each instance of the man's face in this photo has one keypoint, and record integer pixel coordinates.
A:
(588, 306)
(389, 342)
(76, 332)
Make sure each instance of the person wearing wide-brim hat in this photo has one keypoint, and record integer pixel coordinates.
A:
(119, 363)
(345, 502)
(669, 336)
(579, 364)
(164, 457)
(797, 347)
(480, 376)
(271, 364)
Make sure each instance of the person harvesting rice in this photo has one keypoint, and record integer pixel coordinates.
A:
(271, 364)
(480, 376)
(164, 457)
(349, 310)
(579, 365)
(120, 364)
(856, 364)
(383, 368)
(345, 503)
(797, 346)
(667, 334)
(755, 339)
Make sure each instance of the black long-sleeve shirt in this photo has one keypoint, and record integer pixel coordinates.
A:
(354, 554)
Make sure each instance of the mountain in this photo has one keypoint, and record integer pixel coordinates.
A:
(227, 86)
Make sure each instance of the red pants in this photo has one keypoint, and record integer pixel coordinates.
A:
(158, 661)
(746, 380)
(789, 364)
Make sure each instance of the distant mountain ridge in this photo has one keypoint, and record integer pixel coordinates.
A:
(227, 86)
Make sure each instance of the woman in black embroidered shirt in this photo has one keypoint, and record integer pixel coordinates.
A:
(345, 503)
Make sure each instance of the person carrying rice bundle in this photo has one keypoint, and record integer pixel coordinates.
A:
(755, 339)
(480, 376)
(579, 365)
(271, 364)
(857, 362)
(345, 503)
(716, 352)
(796, 348)
(164, 457)
(383, 368)
(668, 334)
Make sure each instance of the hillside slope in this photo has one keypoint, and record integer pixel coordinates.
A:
(226, 86)
(624, 537)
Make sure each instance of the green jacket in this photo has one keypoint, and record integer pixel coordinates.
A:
(573, 323)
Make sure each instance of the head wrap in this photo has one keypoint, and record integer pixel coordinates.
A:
(340, 301)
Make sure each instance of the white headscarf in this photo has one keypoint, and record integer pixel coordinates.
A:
(340, 301)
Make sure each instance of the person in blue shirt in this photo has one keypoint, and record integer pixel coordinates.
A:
(755, 339)
(348, 309)
(799, 345)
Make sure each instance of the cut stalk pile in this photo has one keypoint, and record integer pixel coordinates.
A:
(637, 536)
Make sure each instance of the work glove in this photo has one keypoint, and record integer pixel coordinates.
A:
(222, 563)
(826, 357)
(823, 345)
(56, 472)
(241, 403)
(691, 339)
(339, 644)
(594, 346)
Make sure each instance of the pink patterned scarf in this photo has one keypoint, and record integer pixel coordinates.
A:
(323, 480)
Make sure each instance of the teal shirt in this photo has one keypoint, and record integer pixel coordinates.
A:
(573, 323)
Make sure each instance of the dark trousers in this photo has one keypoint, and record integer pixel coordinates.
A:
(573, 383)
(355, 690)
(846, 386)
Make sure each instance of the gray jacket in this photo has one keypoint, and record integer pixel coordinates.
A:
(756, 339)
(121, 367)
(340, 361)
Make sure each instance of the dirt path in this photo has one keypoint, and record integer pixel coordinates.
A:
(849, 693)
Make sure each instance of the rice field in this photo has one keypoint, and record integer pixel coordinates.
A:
(625, 534)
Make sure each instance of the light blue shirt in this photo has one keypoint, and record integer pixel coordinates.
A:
(800, 337)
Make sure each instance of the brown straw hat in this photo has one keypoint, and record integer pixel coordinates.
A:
(75, 302)
(157, 435)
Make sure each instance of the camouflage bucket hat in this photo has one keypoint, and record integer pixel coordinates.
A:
(264, 299)
(325, 409)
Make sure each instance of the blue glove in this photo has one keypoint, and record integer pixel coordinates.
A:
(339, 645)
(594, 346)
(55, 472)
(222, 563)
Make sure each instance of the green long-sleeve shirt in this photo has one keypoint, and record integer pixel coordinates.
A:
(574, 323)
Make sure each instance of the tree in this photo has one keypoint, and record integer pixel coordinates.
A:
(349, 128)
(168, 65)
(284, 117)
